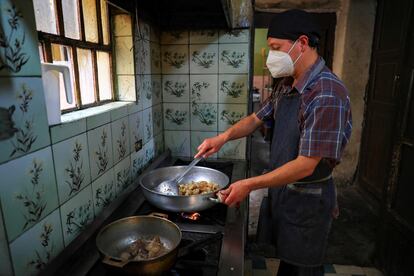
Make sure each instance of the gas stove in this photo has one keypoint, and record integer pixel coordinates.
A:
(212, 240)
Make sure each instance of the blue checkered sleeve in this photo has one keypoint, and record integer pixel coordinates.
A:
(266, 111)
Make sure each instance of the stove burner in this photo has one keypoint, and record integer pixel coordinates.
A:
(191, 216)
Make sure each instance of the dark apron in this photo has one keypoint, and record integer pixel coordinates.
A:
(300, 213)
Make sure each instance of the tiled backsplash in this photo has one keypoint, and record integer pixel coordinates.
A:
(55, 180)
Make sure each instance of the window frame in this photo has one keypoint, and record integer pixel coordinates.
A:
(47, 39)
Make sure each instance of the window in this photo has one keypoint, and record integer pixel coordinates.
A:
(76, 32)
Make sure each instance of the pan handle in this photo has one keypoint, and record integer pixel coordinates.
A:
(114, 262)
(160, 215)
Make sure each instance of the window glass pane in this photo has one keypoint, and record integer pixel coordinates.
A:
(89, 17)
(104, 76)
(71, 18)
(86, 77)
(62, 53)
(105, 22)
(45, 14)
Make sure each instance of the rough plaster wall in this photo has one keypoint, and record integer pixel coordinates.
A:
(353, 46)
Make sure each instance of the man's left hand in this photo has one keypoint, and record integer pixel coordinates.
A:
(235, 193)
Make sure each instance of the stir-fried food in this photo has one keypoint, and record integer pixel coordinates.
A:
(197, 187)
(144, 248)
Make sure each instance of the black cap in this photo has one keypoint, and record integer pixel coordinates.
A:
(293, 23)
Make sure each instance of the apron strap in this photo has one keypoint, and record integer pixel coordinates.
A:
(308, 190)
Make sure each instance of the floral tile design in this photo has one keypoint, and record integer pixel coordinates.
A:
(175, 88)
(33, 250)
(234, 36)
(124, 55)
(122, 173)
(203, 88)
(235, 149)
(5, 259)
(142, 56)
(149, 152)
(146, 91)
(64, 131)
(177, 116)
(233, 89)
(103, 191)
(229, 114)
(126, 87)
(148, 124)
(120, 133)
(159, 144)
(197, 137)
(203, 36)
(139, 86)
(204, 116)
(122, 25)
(71, 166)
(136, 129)
(19, 53)
(233, 58)
(156, 89)
(142, 30)
(204, 59)
(76, 214)
(100, 150)
(155, 58)
(23, 117)
(174, 37)
(137, 164)
(30, 195)
(175, 59)
(178, 142)
(157, 119)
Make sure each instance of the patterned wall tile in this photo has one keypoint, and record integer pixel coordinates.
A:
(103, 191)
(233, 58)
(204, 59)
(23, 113)
(64, 131)
(159, 144)
(233, 89)
(175, 59)
(156, 89)
(155, 56)
(176, 116)
(149, 151)
(235, 149)
(154, 34)
(33, 194)
(122, 173)
(120, 138)
(157, 118)
(197, 137)
(136, 131)
(98, 120)
(119, 112)
(142, 56)
(124, 56)
(174, 37)
(71, 166)
(137, 164)
(76, 214)
(204, 116)
(21, 47)
(139, 86)
(178, 142)
(203, 88)
(5, 260)
(175, 88)
(229, 114)
(148, 125)
(100, 150)
(126, 87)
(142, 30)
(234, 36)
(33, 250)
(203, 36)
(122, 25)
(146, 91)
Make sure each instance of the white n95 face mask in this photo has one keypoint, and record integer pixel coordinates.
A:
(280, 64)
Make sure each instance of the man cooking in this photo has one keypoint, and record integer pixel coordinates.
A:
(312, 124)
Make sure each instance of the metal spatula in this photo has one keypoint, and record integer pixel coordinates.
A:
(170, 187)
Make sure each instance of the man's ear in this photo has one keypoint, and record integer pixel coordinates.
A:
(304, 42)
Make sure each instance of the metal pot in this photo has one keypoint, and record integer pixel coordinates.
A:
(191, 203)
(116, 237)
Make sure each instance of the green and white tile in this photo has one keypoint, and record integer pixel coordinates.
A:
(76, 214)
(178, 142)
(159, 144)
(175, 59)
(122, 173)
(124, 56)
(204, 116)
(233, 58)
(176, 88)
(126, 87)
(30, 195)
(157, 119)
(235, 149)
(233, 88)
(94, 121)
(204, 59)
(148, 125)
(66, 130)
(139, 86)
(120, 138)
(137, 164)
(203, 36)
(146, 91)
(21, 48)
(197, 137)
(143, 30)
(149, 151)
(230, 114)
(142, 56)
(203, 88)
(100, 150)
(23, 116)
(174, 37)
(155, 56)
(156, 89)
(177, 116)
(103, 191)
(136, 128)
(5, 259)
(33, 250)
(71, 166)
(119, 112)
(234, 36)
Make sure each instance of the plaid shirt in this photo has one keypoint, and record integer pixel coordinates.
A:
(324, 116)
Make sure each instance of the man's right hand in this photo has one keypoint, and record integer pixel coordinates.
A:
(210, 146)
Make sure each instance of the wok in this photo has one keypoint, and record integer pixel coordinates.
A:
(116, 238)
(177, 203)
